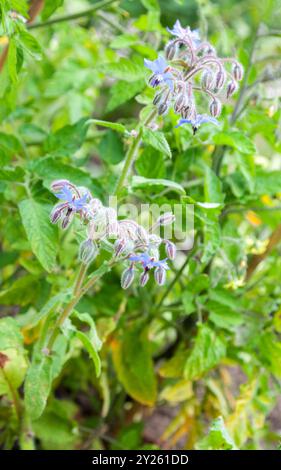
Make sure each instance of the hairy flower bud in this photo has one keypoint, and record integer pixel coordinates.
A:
(237, 71)
(157, 98)
(170, 50)
(215, 108)
(120, 246)
(160, 275)
(88, 251)
(166, 219)
(127, 277)
(180, 102)
(207, 79)
(231, 88)
(220, 79)
(144, 278)
(162, 109)
(170, 249)
(57, 212)
(67, 219)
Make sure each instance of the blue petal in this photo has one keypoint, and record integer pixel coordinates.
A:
(184, 121)
(65, 194)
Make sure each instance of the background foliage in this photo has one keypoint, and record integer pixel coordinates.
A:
(195, 364)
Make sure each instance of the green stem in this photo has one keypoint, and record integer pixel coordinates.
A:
(78, 293)
(74, 16)
(176, 278)
(80, 278)
(131, 154)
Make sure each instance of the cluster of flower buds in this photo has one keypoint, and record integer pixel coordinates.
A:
(130, 242)
(193, 66)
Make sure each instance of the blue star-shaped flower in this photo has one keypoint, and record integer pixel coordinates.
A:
(74, 204)
(181, 32)
(161, 74)
(197, 121)
(148, 262)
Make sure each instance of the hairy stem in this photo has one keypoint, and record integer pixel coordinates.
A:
(78, 292)
(74, 16)
(14, 395)
(131, 155)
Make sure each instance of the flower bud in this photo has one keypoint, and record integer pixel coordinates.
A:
(170, 50)
(67, 219)
(119, 247)
(237, 71)
(166, 219)
(162, 109)
(231, 88)
(170, 249)
(58, 185)
(127, 277)
(160, 275)
(220, 79)
(207, 79)
(144, 278)
(88, 251)
(215, 108)
(57, 212)
(180, 102)
(157, 98)
(155, 80)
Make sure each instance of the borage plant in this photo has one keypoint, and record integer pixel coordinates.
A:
(110, 322)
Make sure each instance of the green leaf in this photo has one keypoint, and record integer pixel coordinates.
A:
(151, 164)
(124, 41)
(11, 174)
(212, 187)
(30, 44)
(41, 234)
(236, 140)
(157, 140)
(10, 146)
(37, 387)
(218, 438)
(91, 350)
(12, 60)
(134, 366)
(120, 93)
(22, 292)
(268, 182)
(208, 349)
(223, 316)
(111, 148)
(139, 182)
(13, 362)
(128, 70)
(50, 6)
(68, 139)
(151, 5)
(116, 126)
(50, 169)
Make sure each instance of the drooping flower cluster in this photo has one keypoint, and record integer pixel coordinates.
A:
(193, 67)
(130, 242)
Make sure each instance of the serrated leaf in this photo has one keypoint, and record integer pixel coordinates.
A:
(218, 438)
(41, 234)
(157, 140)
(120, 93)
(236, 140)
(125, 69)
(207, 350)
(30, 44)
